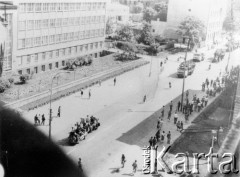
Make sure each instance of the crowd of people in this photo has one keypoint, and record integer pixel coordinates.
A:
(82, 128)
(196, 104)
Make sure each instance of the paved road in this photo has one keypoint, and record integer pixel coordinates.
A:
(120, 108)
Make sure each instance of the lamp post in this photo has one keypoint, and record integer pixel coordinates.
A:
(185, 58)
(50, 104)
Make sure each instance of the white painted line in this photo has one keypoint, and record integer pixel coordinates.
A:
(71, 151)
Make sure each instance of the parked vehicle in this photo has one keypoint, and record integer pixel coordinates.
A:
(188, 67)
(218, 55)
(197, 57)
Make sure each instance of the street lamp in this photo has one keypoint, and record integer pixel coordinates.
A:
(185, 58)
(50, 104)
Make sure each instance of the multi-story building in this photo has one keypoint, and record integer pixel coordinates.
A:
(46, 34)
(210, 12)
(134, 2)
(118, 13)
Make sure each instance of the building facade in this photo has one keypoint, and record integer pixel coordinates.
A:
(46, 34)
(118, 13)
(210, 12)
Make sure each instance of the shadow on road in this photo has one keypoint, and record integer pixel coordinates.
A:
(63, 142)
(174, 75)
(115, 170)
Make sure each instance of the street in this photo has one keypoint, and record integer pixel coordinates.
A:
(119, 109)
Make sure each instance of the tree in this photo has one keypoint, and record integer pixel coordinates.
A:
(193, 29)
(109, 27)
(125, 33)
(137, 8)
(146, 36)
(148, 14)
(160, 7)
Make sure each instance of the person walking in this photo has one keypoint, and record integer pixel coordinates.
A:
(161, 63)
(171, 106)
(175, 117)
(123, 160)
(81, 93)
(154, 142)
(178, 105)
(80, 164)
(151, 142)
(59, 111)
(206, 101)
(178, 125)
(134, 165)
(89, 94)
(163, 111)
(158, 125)
(170, 85)
(162, 136)
(43, 120)
(169, 115)
(114, 81)
(181, 126)
(144, 98)
(157, 135)
(169, 137)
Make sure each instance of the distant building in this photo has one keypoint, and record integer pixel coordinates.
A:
(210, 12)
(46, 34)
(118, 13)
(134, 2)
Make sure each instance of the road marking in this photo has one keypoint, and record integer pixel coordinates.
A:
(71, 151)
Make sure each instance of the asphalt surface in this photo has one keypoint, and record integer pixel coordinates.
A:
(120, 109)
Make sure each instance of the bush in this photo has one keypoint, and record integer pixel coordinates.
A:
(24, 78)
(10, 80)
(2, 88)
(5, 83)
(127, 46)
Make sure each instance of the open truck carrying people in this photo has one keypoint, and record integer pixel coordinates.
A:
(187, 67)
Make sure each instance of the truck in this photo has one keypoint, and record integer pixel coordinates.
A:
(188, 67)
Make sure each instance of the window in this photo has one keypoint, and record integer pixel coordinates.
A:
(84, 34)
(63, 63)
(44, 40)
(28, 71)
(50, 66)
(81, 48)
(43, 55)
(45, 7)
(20, 72)
(59, 6)
(63, 52)
(78, 6)
(45, 23)
(51, 39)
(50, 54)
(86, 47)
(30, 7)
(96, 45)
(36, 57)
(30, 24)
(58, 38)
(66, 6)
(91, 46)
(76, 35)
(88, 34)
(29, 42)
(22, 7)
(83, 20)
(43, 67)
(69, 51)
(58, 22)
(38, 7)
(98, 19)
(102, 32)
(20, 60)
(65, 36)
(101, 44)
(72, 7)
(52, 23)
(37, 41)
(37, 24)
(28, 59)
(57, 53)
(22, 25)
(88, 20)
(65, 22)
(56, 65)
(53, 7)
(71, 21)
(80, 34)
(21, 44)
(71, 36)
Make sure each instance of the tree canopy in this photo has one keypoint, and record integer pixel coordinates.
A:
(148, 14)
(146, 36)
(125, 33)
(191, 28)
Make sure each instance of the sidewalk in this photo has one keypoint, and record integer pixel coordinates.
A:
(136, 138)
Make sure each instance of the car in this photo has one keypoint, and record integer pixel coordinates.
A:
(188, 67)
(197, 57)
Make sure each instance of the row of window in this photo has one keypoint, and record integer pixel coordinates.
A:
(58, 38)
(59, 53)
(53, 7)
(52, 23)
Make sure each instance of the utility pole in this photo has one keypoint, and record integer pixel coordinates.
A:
(185, 59)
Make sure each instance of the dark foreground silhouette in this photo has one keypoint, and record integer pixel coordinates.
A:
(25, 152)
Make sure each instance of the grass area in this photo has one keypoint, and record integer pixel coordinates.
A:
(42, 81)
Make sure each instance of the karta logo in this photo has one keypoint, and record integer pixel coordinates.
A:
(225, 164)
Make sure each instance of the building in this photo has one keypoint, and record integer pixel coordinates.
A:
(210, 12)
(118, 13)
(134, 2)
(46, 34)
